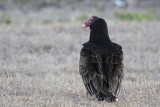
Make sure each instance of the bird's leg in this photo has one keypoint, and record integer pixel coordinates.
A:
(111, 98)
(107, 96)
(100, 97)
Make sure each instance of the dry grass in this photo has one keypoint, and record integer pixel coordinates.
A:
(39, 64)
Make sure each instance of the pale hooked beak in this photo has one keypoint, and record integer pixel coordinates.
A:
(83, 26)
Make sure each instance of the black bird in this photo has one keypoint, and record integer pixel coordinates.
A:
(100, 65)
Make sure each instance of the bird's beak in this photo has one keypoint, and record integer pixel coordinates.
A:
(86, 24)
(83, 26)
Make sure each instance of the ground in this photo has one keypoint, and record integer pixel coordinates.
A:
(39, 64)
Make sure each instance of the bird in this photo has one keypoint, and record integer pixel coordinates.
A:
(101, 62)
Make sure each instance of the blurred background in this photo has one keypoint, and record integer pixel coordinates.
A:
(40, 43)
(45, 11)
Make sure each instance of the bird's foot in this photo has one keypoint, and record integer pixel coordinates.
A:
(113, 99)
(99, 97)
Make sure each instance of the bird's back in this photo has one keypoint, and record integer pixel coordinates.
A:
(108, 62)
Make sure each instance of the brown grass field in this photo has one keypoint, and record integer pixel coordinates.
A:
(39, 64)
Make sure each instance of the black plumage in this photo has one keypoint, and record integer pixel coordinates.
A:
(100, 65)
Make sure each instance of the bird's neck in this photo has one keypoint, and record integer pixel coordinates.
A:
(100, 37)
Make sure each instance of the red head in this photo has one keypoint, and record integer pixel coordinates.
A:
(89, 22)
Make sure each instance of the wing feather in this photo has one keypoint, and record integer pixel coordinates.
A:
(113, 69)
(92, 80)
(101, 74)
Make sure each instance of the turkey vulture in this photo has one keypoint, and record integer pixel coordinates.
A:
(100, 65)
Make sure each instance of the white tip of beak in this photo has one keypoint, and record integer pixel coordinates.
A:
(83, 26)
